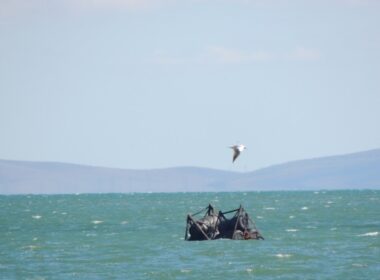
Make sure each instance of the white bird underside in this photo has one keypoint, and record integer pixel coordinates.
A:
(237, 150)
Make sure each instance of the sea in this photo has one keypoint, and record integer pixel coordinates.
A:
(308, 235)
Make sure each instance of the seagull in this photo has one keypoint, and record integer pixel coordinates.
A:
(237, 150)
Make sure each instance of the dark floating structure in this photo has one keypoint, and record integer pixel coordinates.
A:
(215, 226)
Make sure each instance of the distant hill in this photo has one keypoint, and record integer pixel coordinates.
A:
(352, 171)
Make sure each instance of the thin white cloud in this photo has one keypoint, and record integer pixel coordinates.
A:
(212, 55)
(359, 2)
(164, 59)
(228, 55)
(304, 54)
(224, 55)
(13, 8)
(115, 4)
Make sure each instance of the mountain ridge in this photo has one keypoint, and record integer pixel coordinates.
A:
(348, 171)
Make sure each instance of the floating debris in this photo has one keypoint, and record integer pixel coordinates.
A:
(215, 226)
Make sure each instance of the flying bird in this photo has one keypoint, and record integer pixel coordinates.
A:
(237, 150)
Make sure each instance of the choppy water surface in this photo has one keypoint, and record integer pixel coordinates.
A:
(308, 235)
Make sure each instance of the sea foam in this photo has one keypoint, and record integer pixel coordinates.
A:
(375, 233)
(283, 255)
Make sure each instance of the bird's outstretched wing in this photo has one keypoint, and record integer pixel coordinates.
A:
(236, 154)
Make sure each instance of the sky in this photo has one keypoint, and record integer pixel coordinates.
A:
(143, 84)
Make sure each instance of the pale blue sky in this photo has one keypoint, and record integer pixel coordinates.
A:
(152, 84)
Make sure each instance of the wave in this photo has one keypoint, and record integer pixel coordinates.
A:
(375, 233)
(283, 255)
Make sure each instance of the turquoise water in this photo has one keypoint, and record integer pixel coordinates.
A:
(308, 235)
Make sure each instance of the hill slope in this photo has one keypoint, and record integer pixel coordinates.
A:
(359, 170)
(353, 171)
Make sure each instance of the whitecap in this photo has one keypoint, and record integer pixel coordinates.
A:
(185, 270)
(269, 208)
(359, 265)
(283, 255)
(96, 222)
(124, 222)
(304, 208)
(292, 230)
(31, 247)
(249, 270)
(37, 217)
(291, 217)
(375, 233)
(311, 227)
(259, 217)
